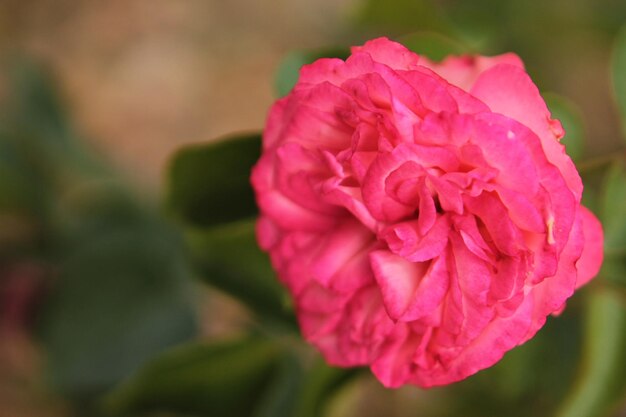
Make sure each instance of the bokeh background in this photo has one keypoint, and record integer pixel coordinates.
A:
(96, 271)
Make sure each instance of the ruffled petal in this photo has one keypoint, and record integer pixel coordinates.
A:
(463, 71)
(508, 90)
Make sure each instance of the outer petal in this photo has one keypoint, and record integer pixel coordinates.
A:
(389, 53)
(501, 335)
(463, 71)
(508, 90)
(550, 294)
(395, 366)
(591, 259)
(354, 335)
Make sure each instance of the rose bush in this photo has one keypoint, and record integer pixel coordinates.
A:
(423, 215)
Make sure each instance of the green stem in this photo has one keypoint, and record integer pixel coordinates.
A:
(600, 161)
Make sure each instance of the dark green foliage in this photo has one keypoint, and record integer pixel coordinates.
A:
(210, 184)
(116, 284)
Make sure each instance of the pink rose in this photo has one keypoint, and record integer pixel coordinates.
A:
(424, 216)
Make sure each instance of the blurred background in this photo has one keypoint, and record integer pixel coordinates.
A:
(104, 257)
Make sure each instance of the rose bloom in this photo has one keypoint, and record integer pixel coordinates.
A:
(424, 216)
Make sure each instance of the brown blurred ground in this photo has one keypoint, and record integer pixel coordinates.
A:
(143, 77)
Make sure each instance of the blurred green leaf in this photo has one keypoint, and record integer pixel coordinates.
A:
(320, 383)
(303, 391)
(288, 71)
(40, 157)
(36, 108)
(118, 292)
(571, 118)
(19, 187)
(220, 379)
(281, 396)
(481, 22)
(210, 184)
(401, 16)
(228, 257)
(33, 117)
(613, 217)
(251, 377)
(613, 213)
(619, 74)
(528, 381)
(433, 45)
(209, 189)
(121, 297)
(601, 385)
(614, 269)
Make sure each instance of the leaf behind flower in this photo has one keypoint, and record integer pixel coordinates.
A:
(209, 184)
(433, 45)
(219, 379)
(229, 258)
(601, 386)
(251, 376)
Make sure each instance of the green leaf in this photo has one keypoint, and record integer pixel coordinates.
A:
(121, 296)
(303, 391)
(481, 22)
(613, 217)
(20, 189)
(401, 16)
(35, 106)
(619, 74)
(209, 184)
(320, 384)
(571, 118)
(281, 396)
(251, 377)
(118, 291)
(433, 45)
(219, 379)
(613, 214)
(528, 381)
(288, 71)
(601, 386)
(209, 189)
(34, 118)
(228, 257)
(614, 268)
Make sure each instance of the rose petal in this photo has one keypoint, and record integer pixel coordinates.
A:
(588, 265)
(507, 89)
(405, 239)
(389, 53)
(463, 71)
(397, 279)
